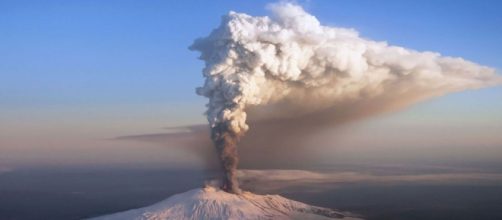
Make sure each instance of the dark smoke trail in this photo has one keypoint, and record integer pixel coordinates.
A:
(225, 142)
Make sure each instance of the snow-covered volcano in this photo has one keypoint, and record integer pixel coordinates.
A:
(213, 203)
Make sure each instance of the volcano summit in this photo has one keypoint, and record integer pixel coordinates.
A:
(213, 203)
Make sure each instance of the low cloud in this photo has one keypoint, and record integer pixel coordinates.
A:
(280, 180)
(4, 169)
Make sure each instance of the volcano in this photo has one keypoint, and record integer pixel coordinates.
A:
(213, 203)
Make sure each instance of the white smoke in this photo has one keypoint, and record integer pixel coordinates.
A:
(291, 60)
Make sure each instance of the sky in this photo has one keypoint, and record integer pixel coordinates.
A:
(74, 75)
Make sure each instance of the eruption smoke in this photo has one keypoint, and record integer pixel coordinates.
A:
(292, 62)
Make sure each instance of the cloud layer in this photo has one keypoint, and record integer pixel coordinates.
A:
(275, 180)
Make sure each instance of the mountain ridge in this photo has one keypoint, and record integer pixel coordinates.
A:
(213, 203)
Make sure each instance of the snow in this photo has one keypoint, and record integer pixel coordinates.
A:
(213, 203)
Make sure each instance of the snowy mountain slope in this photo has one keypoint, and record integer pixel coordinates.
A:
(213, 203)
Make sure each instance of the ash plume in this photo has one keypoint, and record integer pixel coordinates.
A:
(289, 67)
(225, 141)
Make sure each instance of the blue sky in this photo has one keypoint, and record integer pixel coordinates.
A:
(112, 68)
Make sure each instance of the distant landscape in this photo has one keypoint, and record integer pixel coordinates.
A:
(81, 193)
